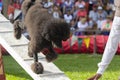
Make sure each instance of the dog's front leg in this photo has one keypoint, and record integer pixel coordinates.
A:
(35, 56)
(36, 66)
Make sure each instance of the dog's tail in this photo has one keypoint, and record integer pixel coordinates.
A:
(17, 29)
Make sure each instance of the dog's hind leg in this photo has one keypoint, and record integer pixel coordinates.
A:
(18, 28)
(30, 54)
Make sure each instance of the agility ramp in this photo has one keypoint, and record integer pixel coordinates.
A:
(18, 49)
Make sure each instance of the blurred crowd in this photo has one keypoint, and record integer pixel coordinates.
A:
(84, 16)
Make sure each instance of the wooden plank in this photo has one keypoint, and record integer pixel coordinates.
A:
(11, 40)
(18, 49)
(6, 26)
(49, 68)
(2, 18)
(24, 52)
(19, 59)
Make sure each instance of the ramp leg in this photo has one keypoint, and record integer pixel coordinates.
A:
(2, 74)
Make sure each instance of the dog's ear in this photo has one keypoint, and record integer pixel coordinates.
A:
(25, 6)
(46, 36)
(45, 33)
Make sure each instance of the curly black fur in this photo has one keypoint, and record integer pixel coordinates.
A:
(43, 30)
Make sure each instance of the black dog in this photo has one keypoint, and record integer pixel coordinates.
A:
(43, 30)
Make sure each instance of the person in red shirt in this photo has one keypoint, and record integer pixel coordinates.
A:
(10, 11)
(81, 12)
(17, 4)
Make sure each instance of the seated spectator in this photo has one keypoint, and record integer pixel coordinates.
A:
(17, 4)
(93, 2)
(73, 26)
(101, 13)
(79, 2)
(109, 9)
(68, 17)
(48, 5)
(68, 5)
(99, 23)
(101, 2)
(81, 12)
(56, 12)
(58, 2)
(93, 16)
(10, 11)
(82, 25)
(106, 26)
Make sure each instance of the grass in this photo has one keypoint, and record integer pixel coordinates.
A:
(76, 67)
(81, 67)
(13, 71)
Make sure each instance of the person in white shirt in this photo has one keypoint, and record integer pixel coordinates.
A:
(68, 17)
(82, 25)
(112, 44)
(56, 12)
(48, 5)
(93, 14)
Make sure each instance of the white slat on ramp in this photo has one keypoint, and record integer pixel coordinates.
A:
(18, 50)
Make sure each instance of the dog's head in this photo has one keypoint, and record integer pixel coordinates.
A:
(56, 31)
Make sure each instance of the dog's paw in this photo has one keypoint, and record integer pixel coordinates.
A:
(51, 57)
(37, 68)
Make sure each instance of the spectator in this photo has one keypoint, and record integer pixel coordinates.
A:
(68, 5)
(99, 23)
(68, 17)
(48, 5)
(56, 12)
(81, 12)
(109, 9)
(90, 5)
(100, 3)
(82, 25)
(58, 2)
(93, 1)
(101, 13)
(10, 11)
(106, 26)
(80, 2)
(73, 25)
(17, 4)
(93, 15)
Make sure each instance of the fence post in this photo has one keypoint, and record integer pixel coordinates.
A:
(94, 50)
(2, 74)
